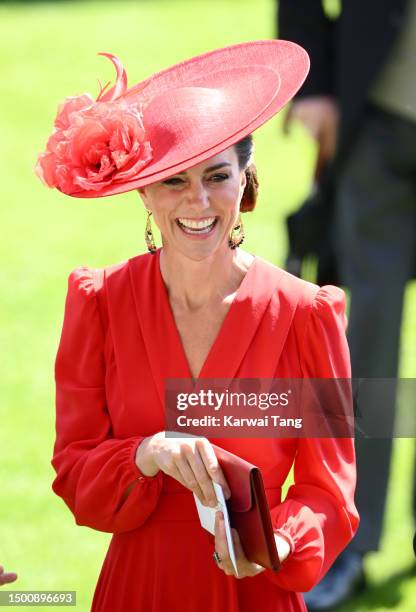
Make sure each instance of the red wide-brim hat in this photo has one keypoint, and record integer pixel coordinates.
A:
(179, 117)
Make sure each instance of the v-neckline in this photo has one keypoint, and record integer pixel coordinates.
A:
(228, 353)
(240, 295)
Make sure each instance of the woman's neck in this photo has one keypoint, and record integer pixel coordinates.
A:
(194, 284)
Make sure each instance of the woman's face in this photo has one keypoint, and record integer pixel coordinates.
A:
(195, 210)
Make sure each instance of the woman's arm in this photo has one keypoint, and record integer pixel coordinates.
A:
(318, 517)
(96, 474)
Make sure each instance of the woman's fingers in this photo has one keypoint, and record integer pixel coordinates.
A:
(212, 466)
(191, 461)
(201, 476)
(221, 545)
(191, 481)
(250, 569)
(245, 568)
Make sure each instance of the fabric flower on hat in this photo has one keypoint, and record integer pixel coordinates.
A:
(95, 143)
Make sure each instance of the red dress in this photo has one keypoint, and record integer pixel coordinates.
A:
(118, 344)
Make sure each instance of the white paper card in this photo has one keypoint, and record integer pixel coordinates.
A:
(207, 518)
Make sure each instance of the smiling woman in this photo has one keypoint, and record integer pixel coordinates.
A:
(199, 306)
(197, 209)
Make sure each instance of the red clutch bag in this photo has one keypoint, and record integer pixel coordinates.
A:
(248, 509)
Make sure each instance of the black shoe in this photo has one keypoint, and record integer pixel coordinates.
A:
(344, 580)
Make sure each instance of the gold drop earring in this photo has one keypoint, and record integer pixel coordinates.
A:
(148, 234)
(236, 236)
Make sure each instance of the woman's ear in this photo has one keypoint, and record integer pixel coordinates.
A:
(243, 181)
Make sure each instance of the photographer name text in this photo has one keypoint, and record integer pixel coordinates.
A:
(272, 420)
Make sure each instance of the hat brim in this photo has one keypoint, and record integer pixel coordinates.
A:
(198, 108)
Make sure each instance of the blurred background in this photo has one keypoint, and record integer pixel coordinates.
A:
(48, 51)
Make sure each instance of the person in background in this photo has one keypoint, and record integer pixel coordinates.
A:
(6, 577)
(359, 104)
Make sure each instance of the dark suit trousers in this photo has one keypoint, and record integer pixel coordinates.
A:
(375, 242)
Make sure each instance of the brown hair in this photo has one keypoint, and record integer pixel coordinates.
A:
(244, 149)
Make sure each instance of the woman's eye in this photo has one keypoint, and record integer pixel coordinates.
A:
(175, 180)
(218, 178)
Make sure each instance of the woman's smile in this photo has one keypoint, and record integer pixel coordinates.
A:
(199, 228)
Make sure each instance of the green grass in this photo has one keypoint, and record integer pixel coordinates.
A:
(48, 51)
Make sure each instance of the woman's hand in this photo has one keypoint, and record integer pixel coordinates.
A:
(245, 568)
(191, 461)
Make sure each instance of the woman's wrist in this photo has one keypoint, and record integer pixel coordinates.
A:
(144, 458)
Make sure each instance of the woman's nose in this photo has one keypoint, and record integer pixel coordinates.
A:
(198, 195)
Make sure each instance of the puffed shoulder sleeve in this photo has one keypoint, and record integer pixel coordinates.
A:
(96, 473)
(318, 516)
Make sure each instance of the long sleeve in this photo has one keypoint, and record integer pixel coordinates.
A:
(318, 516)
(305, 22)
(96, 474)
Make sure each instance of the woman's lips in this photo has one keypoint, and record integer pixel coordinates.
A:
(197, 227)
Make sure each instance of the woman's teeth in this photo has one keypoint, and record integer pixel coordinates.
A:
(193, 226)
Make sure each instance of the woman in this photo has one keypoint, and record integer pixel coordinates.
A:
(198, 307)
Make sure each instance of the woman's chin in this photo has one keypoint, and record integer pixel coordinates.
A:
(197, 247)
(199, 251)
